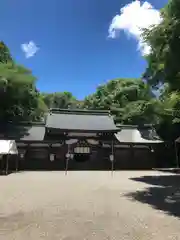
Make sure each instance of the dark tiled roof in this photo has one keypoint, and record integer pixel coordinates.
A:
(143, 135)
(28, 132)
(80, 120)
(34, 133)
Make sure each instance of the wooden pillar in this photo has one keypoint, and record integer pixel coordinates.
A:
(112, 160)
(50, 152)
(132, 156)
(66, 170)
(2, 163)
(17, 162)
(177, 158)
(67, 160)
(7, 164)
(26, 158)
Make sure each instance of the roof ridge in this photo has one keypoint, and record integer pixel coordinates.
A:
(78, 111)
(126, 126)
(24, 123)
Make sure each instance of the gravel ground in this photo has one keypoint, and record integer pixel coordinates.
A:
(83, 206)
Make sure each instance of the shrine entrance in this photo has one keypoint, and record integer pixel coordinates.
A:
(87, 154)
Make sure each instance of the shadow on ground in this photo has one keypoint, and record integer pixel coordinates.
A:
(163, 194)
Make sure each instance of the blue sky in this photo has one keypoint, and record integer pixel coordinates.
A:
(74, 52)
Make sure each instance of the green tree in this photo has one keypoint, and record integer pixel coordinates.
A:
(5, 55)
(164, 39)
(164, 65)
(60, 100)
(18, 95)
(129, 100)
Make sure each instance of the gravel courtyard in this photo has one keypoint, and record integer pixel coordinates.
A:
(90, 205)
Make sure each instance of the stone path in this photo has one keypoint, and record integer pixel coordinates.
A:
(88, 205)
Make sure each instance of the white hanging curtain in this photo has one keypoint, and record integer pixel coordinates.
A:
(8, 147)
(92, 141)
(71, 141)
(57, 144)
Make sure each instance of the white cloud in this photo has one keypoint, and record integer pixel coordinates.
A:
(132, 19)
(29, 49)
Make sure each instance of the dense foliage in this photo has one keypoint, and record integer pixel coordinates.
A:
(60, 100)
(164, 63)
(18, 95)
(164, 39)
(130, 101)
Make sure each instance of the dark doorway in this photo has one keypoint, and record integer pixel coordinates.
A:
(81, 157)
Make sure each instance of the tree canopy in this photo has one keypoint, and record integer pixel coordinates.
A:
(5, 55)
(60, 100)
(163, 69)
(164, 40)
(19, 97)
(130, 101)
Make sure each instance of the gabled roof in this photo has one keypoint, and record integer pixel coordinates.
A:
(80, 120)
(138, 135)
(34, 133)
(24, 132)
